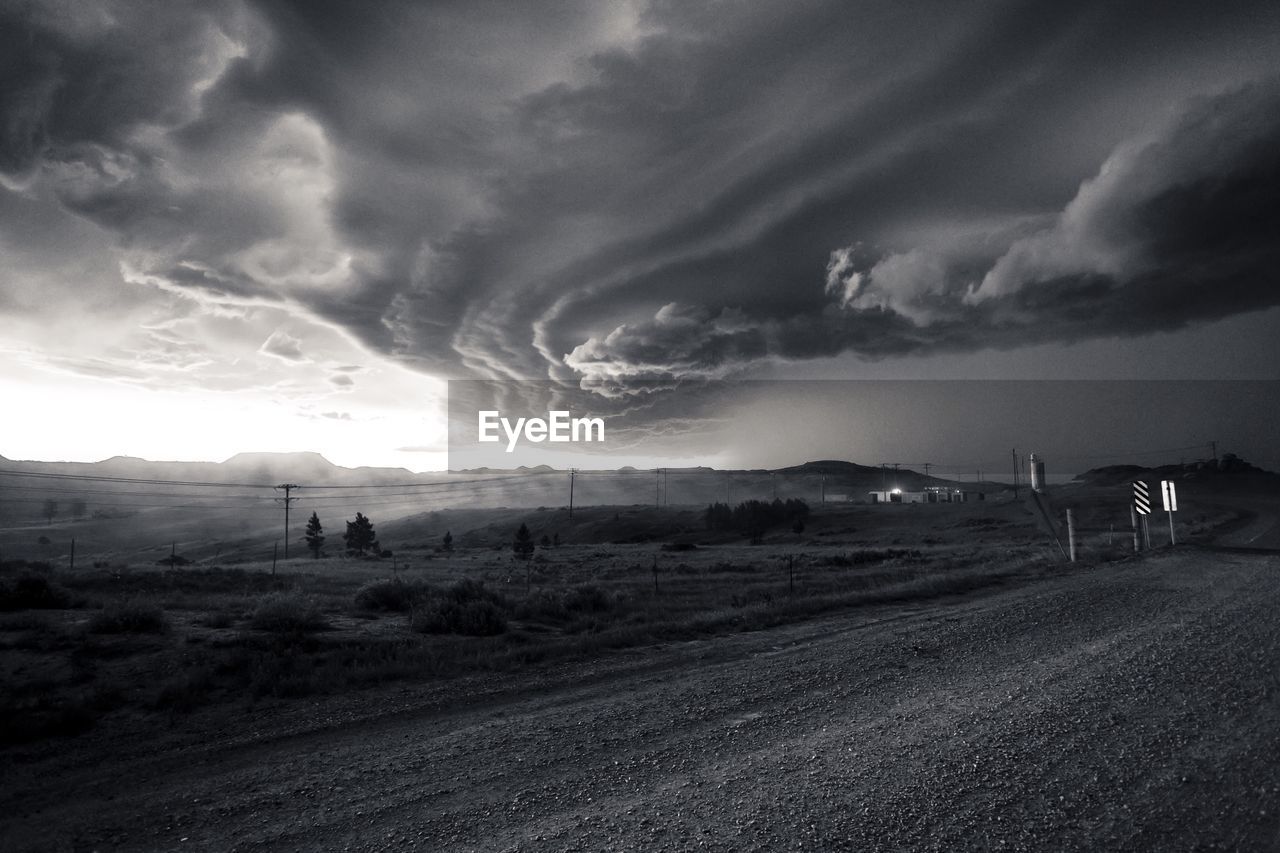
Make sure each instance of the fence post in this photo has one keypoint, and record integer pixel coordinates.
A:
(1071, 534)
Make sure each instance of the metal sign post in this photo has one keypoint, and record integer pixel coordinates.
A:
(1170, 494)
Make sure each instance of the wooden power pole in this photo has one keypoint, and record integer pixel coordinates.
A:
(287, 501)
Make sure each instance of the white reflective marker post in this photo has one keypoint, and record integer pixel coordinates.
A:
(1169, 492)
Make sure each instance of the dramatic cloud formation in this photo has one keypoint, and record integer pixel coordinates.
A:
(1173, 230)
(283, 346)
(610, 194)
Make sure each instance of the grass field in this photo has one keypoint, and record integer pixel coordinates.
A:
(79, 647)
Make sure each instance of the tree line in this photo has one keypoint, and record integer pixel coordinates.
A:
(753, 518)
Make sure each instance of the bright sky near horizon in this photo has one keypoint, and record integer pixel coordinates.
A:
(259, 225)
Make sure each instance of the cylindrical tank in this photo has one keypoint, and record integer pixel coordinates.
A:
(1037, 474)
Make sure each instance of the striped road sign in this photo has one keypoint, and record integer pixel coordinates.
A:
(1141, 498)
(1169, 491)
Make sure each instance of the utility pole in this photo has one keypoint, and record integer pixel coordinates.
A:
(1213, 445)
(666, 489)
(287, 487)
(927, 466)
(1015, 472)
(728, 489)
(572, 473)
(773, 478)
(657, 489)
(823, 487)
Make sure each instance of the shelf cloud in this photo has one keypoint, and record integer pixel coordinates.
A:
(651, 191)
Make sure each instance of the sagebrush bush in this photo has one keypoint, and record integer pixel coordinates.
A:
(473, 618)
(564, 606)
(287, 612)
(129, 617)
(872, 555)
(587, 598)
(33, 592)
(393, 596)
(472, 590)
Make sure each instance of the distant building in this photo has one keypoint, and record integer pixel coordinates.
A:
(930, 495)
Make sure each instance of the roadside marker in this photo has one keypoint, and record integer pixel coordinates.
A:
(1141, 498)
(1170, 494)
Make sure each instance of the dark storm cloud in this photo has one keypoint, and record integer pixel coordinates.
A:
(522, 190)
(1173, 230)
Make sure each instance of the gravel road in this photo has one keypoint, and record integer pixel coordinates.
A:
(1131, 707)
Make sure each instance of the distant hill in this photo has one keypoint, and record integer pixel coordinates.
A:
(1227, 467)
(829, 467)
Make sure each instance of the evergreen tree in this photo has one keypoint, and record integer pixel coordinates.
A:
(360, 536)
(49, 511)
(314, 536)
(78, 508)
(524, 543)
(446, 543)
(545, 542)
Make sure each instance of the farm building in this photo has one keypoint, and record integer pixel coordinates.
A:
(930, 495)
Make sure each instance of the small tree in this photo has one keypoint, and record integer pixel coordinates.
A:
(524, 543)
(555, 540)
(446, 544)
(798, 527)
(360, 536)
(78, 508)
(545, 542)
(49, 510)
(314, 535)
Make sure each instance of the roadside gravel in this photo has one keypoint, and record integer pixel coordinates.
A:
(1132, 707)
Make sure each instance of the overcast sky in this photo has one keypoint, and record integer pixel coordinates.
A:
(237, 226)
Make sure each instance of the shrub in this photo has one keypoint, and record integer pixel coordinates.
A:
(32, 592)
(858, 558)
(565, 606)
(218, 619)
(474, 618)
(472, 590)
(129, 617)
(394, 596)
(587, 598)
(285, 613)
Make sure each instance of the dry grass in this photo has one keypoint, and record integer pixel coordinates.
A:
(176, 640)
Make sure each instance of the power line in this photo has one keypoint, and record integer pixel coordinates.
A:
(110, 493)
(149, 481)
(137, 505)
